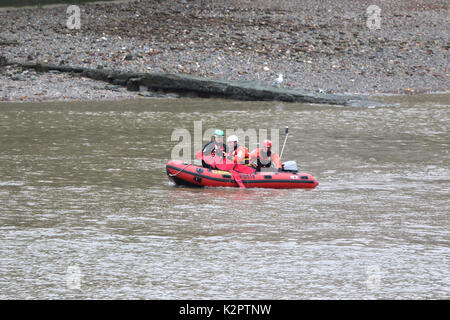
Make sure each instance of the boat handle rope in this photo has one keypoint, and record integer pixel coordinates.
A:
(175, 174)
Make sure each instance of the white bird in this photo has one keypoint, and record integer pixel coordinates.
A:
(278, 80)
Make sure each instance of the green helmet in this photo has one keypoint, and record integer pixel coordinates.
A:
(218, 133)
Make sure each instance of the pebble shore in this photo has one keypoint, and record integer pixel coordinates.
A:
(324, 46)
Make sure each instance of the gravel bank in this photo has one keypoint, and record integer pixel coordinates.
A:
(19, 85)
(316, 45)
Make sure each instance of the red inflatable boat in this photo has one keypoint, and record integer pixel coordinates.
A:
(187, 174)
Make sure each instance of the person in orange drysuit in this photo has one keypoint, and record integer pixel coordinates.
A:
(237, 153)
(265, 157)
(237, 157)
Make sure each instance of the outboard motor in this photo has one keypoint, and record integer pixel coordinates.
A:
(290, 166)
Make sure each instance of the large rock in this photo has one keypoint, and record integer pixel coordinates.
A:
(133, 84)
(240, 90)
(187, 85)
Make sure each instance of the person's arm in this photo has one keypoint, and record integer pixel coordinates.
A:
(218, 152)
(240, 155)
(230, 155)
(254, 154)
(276, 160)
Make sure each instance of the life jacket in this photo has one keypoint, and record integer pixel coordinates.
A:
(264, 159)
(235, 153)
(213, 153)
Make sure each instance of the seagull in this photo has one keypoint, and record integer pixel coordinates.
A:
(278, 80)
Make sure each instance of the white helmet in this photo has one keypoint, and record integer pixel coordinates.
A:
(232, 138)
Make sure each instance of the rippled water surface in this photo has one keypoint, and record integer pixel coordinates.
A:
(83, 185)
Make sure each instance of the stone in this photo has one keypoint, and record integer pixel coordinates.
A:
(3, 61)
(112, 87)
(17, 78)
(133, 84)
(119, 82)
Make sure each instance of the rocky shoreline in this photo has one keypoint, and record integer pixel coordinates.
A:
(324, 47)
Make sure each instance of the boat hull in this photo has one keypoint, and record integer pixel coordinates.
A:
(182, 173)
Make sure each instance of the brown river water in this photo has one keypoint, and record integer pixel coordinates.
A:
(87, 210)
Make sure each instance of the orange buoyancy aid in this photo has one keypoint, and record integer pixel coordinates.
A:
(265, 159)
(240, 155)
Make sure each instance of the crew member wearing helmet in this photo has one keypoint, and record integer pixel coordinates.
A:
(265, 157)
(213, 152)
(238, 154)
(237, 160)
